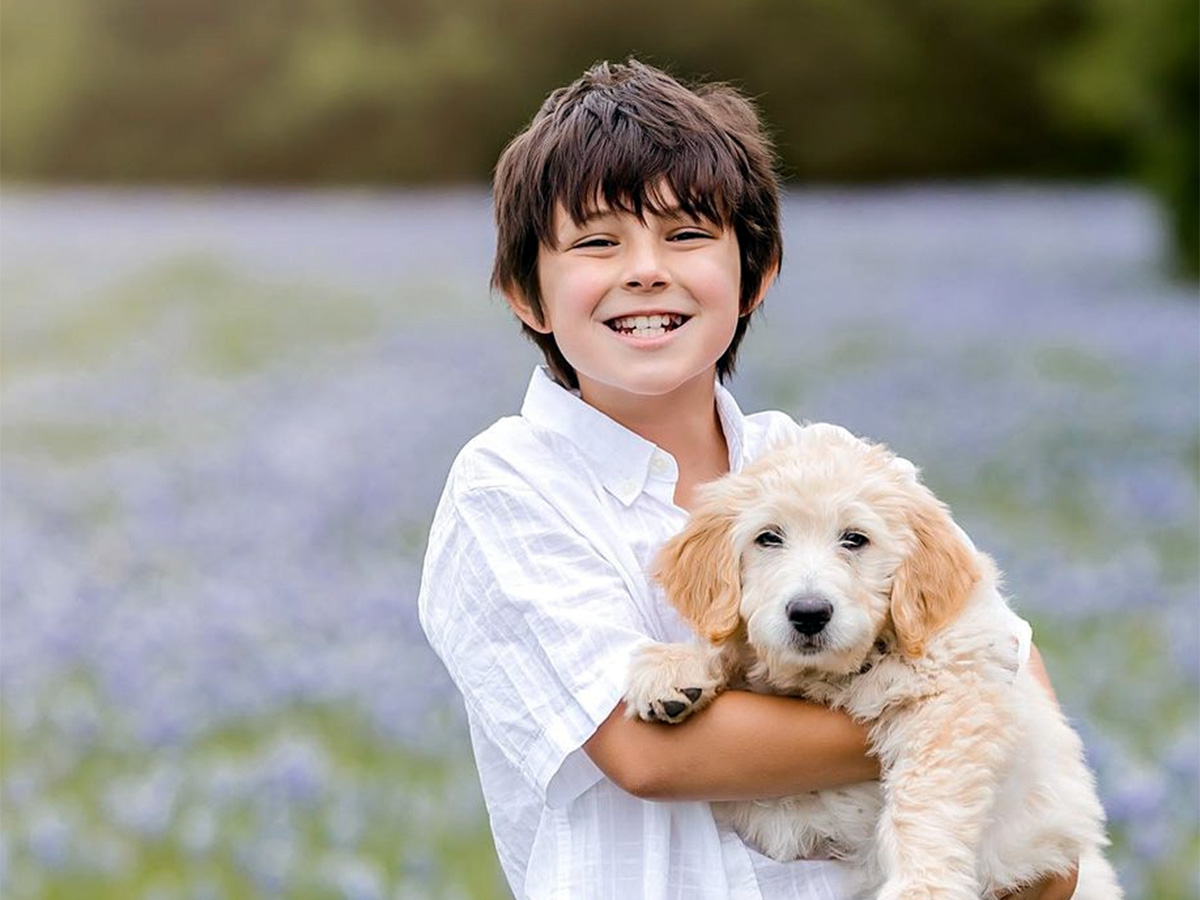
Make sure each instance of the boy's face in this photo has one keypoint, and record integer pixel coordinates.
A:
(639, 309)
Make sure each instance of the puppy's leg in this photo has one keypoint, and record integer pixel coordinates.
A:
(669, 682)
(942, 768)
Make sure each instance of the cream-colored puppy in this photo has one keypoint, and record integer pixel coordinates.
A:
(826, 570)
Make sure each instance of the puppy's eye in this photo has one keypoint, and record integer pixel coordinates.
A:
(769, 538)
(853, 540)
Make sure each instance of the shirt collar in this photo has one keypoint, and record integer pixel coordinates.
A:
(620, 458)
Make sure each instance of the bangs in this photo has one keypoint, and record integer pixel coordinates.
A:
(619, 163)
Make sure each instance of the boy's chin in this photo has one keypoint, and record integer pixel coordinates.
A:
(648, 385)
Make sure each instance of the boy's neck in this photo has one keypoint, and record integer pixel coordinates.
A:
(684, 423)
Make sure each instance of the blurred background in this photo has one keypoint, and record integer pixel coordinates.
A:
(246, 327)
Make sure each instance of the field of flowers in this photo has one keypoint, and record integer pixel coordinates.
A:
(226, 422)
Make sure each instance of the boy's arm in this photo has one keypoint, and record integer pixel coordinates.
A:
(744, 746)
(1038, 669)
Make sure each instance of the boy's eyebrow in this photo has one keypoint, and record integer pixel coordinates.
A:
(670, 212)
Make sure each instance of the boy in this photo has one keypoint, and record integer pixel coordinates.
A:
(638, 231)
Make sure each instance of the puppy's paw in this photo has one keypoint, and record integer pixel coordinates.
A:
(669, 682)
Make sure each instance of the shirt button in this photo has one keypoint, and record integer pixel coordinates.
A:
(659, 466)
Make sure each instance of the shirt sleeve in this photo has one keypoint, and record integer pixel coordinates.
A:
(1021, 630)
(1024, 633)
(535, 627)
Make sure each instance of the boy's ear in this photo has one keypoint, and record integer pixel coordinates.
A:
(524, 311)
(768, 280)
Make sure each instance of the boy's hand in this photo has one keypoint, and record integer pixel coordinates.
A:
(1053, 887)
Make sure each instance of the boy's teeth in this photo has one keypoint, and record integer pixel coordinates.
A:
(642, 326)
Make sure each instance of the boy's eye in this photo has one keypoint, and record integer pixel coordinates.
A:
(594, 242)
(690, 234)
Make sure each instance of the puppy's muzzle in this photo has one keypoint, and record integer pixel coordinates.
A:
(809, 613)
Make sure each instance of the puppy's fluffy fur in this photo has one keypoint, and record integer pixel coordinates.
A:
(826, 570)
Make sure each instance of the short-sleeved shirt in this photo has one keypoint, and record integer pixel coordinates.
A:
(535, 594)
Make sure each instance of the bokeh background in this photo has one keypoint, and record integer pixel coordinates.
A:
(246, 326)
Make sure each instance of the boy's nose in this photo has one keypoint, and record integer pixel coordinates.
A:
(646, 272)
(644, 282)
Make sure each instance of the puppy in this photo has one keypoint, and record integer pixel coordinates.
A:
(826, 570)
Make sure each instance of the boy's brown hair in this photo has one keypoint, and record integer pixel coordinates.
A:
(616, 136)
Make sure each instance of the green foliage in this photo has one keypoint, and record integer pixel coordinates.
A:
(1133, 77)
(317, 91)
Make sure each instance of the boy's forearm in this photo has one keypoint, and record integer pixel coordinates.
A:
(1038, 667)
(743, 746)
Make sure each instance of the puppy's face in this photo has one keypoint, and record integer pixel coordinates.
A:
(817, 562)
(817, 549)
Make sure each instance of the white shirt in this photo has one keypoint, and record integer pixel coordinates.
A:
(535, 594)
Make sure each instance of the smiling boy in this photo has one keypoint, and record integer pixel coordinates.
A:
(638, 231)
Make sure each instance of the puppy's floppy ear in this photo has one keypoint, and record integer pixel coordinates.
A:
(701, 574)
(932, 585)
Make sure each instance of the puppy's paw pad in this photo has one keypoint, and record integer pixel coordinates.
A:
(653, 694)
(674, 708)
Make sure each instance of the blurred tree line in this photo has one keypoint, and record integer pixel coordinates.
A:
(429, 91)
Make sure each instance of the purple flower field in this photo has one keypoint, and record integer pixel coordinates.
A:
(226, 422)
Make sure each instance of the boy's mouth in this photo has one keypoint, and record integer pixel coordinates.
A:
(646, 326)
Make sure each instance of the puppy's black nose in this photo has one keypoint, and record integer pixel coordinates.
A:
(809, 614)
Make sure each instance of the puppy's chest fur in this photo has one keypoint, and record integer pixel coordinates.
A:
(884, 681)
(887, 681)
(881, 693)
